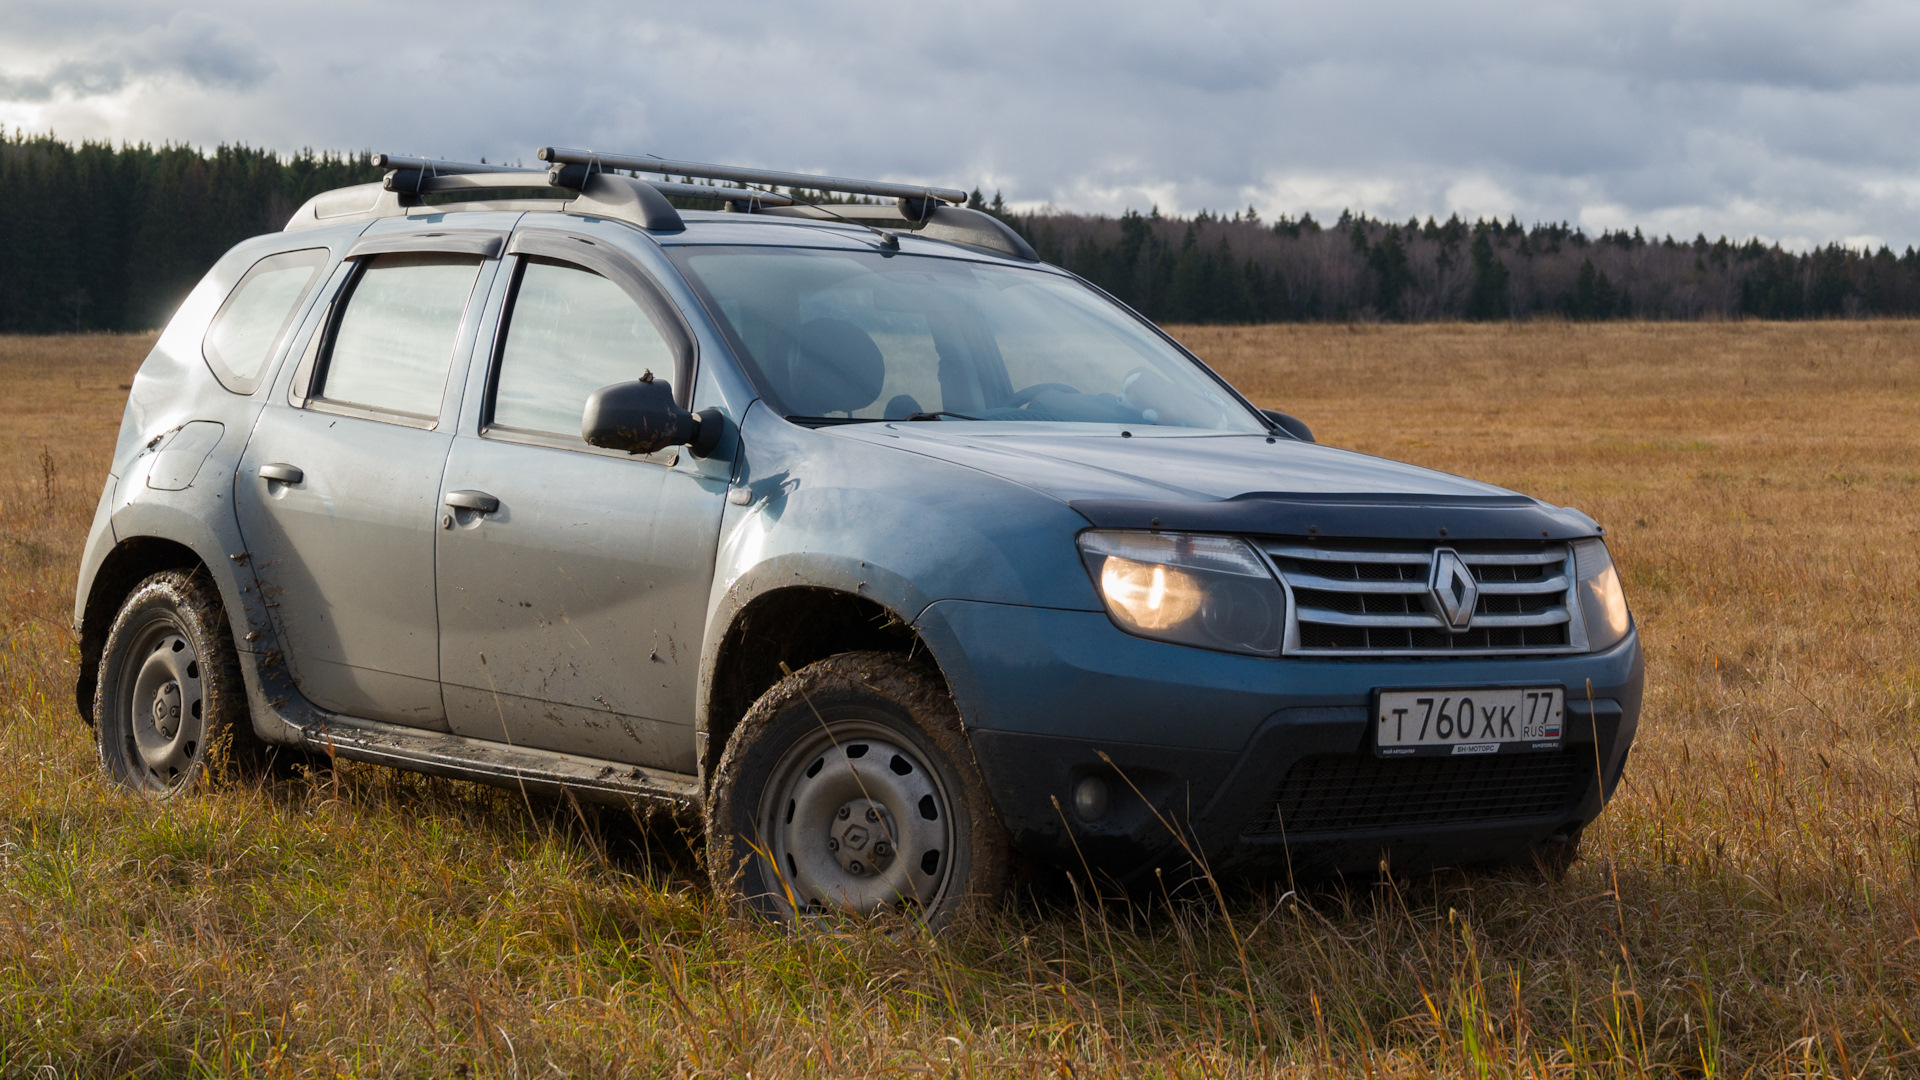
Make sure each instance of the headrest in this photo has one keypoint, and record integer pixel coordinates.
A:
(836, 367)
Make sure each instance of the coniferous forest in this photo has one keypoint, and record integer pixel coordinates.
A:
(96, 237)
(1240, 269)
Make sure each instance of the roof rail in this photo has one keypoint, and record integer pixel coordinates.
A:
(953, 224)
(604, 193)
(664, 166)
(621, 198)
(435, 165)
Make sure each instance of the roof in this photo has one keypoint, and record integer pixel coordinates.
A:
(585, 187)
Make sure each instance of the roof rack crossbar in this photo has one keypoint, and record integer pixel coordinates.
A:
(879, 188)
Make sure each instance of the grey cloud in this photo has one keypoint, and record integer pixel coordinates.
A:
(1752, 116)
(205, 52)
(188, 47)
(81, 78)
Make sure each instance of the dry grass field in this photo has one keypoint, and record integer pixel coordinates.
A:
(1749, 906)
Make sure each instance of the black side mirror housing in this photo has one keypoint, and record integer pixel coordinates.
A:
(1292, 425)
(641, 417)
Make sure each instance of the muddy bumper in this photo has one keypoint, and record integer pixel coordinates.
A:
(1127, 755)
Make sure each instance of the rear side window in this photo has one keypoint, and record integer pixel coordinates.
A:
(248, 327)
(394, 340)
(570, 333)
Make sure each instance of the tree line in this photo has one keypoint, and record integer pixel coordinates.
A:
(98, 237)
(1239, 269)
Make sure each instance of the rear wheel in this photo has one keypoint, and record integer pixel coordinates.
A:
(169, 706)
(849, 787)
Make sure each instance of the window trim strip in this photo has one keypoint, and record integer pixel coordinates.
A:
(591, 255)
(319, 351)
(482, 242)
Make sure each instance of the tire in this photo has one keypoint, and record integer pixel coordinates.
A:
(849, 788)
(169, 707)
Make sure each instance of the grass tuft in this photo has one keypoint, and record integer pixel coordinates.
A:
(1750, 906)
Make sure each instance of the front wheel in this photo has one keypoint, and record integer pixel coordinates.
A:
(1556, 855)
(849, 787)
(170, 708)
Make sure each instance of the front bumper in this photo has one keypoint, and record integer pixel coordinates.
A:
(1262, 765)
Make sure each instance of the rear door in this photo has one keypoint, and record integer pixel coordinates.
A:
(338, 492)
(571, 616)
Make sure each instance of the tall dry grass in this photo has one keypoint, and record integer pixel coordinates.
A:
(1750, 905)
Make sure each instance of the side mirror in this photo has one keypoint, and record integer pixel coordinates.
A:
(641, 417)
(1292, 425)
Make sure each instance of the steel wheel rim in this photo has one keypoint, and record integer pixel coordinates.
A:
(162, 702)
(844, 788)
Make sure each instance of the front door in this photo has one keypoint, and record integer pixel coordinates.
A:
(571, 615)
(338, 495)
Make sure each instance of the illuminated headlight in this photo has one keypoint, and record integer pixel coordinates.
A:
(1602, 602)
(1211, 591)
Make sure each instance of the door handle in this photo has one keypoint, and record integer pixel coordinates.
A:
(478, 501)
(286, 474)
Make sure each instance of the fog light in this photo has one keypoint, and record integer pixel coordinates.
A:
(1090, 799)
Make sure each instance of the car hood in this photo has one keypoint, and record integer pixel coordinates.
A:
(1181, 479)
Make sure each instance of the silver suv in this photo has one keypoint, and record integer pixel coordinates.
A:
(853, 529)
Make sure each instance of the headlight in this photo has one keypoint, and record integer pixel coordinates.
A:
(1211, 591)
(1602, 602)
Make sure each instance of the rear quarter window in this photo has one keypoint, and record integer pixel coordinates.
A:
(250, 325)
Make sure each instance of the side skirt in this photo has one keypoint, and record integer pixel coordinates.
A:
(545, 772)
(283, 715)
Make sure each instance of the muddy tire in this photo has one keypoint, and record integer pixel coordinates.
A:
(169, 707)
(849, 788)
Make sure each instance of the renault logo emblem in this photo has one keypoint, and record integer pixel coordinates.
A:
(1451, 591)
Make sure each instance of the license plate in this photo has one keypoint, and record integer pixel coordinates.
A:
(1456, 722)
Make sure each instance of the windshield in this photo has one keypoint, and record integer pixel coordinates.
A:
(866, 336)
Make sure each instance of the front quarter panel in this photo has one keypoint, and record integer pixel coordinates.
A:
(811, 509)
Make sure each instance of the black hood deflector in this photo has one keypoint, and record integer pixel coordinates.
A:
(1360, 515)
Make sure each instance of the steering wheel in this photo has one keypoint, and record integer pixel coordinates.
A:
(1021, 398)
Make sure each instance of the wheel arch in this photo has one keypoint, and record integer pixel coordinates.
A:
(126, 565)
(784, 629)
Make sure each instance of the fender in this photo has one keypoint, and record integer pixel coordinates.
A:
(215, 540)
(954, 531)
(812, 509)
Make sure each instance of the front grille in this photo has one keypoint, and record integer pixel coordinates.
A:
(1374, 599)
(1339, 792)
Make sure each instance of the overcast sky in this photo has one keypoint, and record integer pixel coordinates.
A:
(1789, 121)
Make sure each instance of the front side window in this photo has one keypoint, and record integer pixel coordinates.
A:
(249, 326)
(570, 333)
(394, 341)
(864, 336)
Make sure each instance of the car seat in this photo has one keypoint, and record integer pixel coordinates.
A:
(834, 367)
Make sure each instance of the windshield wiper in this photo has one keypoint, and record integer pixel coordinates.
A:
(825, 421)
(938, 413)
(822, 421)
